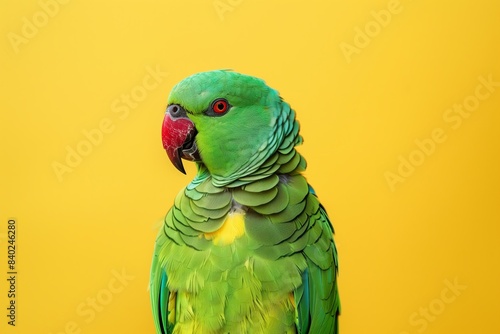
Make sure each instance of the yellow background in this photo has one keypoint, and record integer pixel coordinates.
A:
(399, 248)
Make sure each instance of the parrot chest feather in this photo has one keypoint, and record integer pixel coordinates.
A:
(225, 279)
(228, 289)
(234, 257)
(232, 228)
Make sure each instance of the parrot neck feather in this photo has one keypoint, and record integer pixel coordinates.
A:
(276, 156)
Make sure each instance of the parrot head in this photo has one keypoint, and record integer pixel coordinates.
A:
(222, 119)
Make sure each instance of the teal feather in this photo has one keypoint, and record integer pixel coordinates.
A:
(302, 299)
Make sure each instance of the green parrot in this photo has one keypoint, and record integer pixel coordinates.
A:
(247, 247)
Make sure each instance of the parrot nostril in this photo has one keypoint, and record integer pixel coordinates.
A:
(176, 111)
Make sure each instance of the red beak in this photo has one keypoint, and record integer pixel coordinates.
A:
(178, 135)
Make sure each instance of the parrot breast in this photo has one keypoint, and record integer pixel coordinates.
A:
(232, 228)
(226, 261)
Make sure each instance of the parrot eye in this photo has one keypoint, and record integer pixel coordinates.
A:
(219, 107)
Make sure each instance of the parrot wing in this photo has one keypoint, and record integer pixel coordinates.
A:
(160, 296)
(317, 299)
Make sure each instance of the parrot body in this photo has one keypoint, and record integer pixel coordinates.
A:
(247, 247)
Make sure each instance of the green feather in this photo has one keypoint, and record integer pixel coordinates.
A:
(218, 201)
(262, 185)
(254, 199)
(278, 204)
(209, 212)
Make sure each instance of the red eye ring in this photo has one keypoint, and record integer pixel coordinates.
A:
(220, 106)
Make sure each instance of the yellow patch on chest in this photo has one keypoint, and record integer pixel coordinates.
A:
(232, 228)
